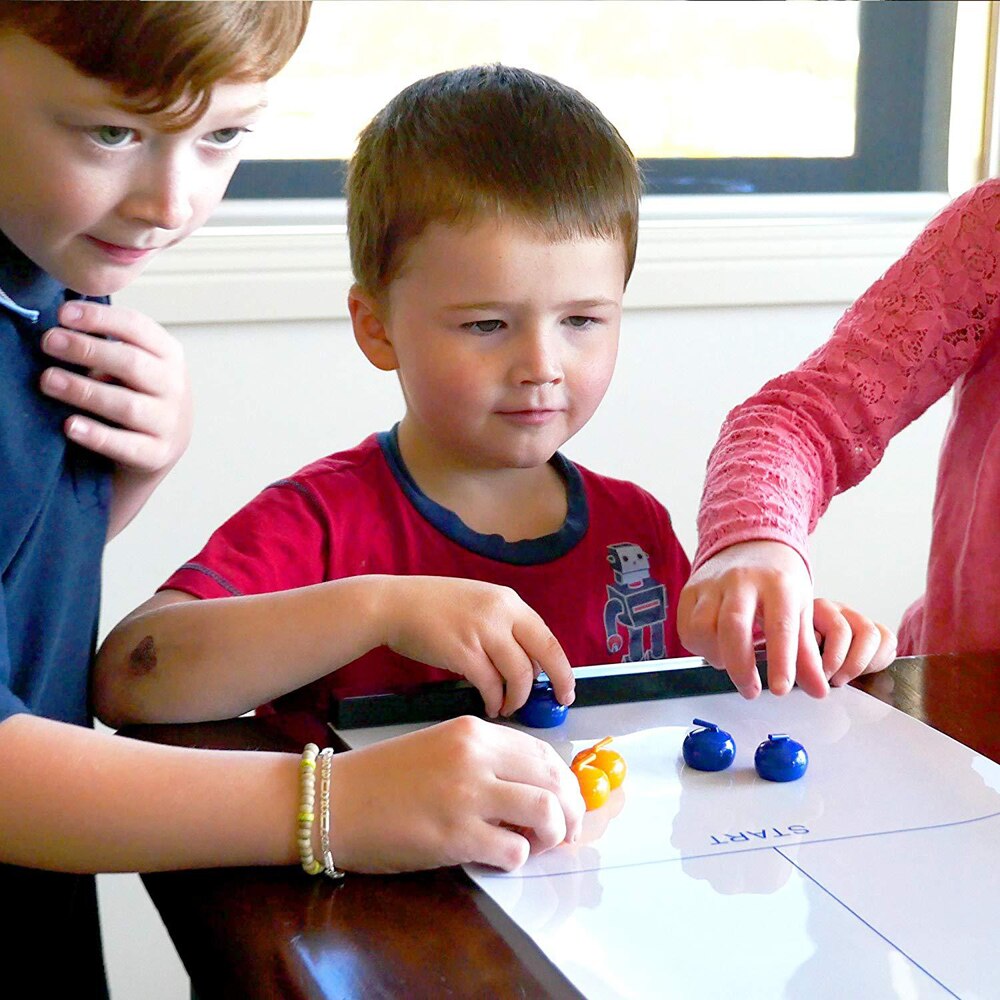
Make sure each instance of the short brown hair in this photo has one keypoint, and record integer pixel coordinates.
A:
(486, 141)
(164, 57)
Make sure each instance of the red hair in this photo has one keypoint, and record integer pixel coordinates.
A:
(164, 57)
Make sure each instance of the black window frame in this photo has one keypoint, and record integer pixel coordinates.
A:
(903, 105)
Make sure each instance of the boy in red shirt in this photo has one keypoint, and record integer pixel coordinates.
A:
(493, 217)
(491, 255)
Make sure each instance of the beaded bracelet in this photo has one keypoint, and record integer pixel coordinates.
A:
(326, 761)
(307, 799)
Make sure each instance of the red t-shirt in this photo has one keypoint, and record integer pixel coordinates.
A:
(359, 512)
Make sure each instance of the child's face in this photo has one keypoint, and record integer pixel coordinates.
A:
(90, 192)
(505, 341)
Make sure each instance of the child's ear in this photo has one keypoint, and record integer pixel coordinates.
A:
(369, 329)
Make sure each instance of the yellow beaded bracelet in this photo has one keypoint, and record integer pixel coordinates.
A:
(307, 799)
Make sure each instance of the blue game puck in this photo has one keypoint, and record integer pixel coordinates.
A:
(708, 748)
(780, 758)
(541, 710)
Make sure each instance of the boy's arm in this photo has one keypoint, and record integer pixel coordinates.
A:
(78, 800)
(135, 396)
(179, 659)
(463, 791)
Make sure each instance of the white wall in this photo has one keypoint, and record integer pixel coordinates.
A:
(274, 395)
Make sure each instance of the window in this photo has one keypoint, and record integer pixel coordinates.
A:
(713, 96)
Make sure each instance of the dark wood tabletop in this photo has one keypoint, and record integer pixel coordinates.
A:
(272, 933)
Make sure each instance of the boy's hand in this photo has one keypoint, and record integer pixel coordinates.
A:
(739, 587)
(135, 397)
(459, 792)
(136, 385)
(481, 631)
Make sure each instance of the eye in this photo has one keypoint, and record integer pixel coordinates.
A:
(581, 322)
(484, 325)
(111, 136)
(227, 138)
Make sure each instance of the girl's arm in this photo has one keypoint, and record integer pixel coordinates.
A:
(463, 791)
(179, 659)
(814, 432)
(820, 429)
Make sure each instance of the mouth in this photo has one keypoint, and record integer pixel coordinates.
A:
(121, 254)
(530, 415)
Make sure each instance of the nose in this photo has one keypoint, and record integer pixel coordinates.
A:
(538, 358)
(161, 196)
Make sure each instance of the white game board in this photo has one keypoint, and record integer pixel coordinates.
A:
(875, 875)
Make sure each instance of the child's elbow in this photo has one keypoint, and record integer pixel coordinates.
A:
(112, 692)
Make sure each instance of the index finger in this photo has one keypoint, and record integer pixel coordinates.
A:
(118, 323)
(782, 624)
(543, 649)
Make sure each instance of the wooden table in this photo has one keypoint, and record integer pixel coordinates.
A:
(272, 933)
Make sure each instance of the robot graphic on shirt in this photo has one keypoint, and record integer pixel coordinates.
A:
(636, 601)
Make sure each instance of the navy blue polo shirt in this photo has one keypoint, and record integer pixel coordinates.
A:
(54, 499)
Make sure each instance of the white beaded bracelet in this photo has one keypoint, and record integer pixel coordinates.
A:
(326, 761)
(307, 799)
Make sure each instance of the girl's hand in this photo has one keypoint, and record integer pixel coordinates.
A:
(766, 584)
(740, 588)
(852, 644)
(481, 631)
(459, 792)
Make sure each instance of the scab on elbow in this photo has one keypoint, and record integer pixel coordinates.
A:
(142, 659)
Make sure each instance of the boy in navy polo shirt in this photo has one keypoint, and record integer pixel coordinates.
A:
(493, 217)
(107, 156)
(111, 151)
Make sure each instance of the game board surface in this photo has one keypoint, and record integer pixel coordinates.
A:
(875, 875)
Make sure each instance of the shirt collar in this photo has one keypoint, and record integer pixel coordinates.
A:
(526, 552)
(26, 289)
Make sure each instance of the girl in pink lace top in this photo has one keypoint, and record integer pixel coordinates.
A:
(932, 322)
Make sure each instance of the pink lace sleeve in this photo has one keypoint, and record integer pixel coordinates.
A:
(820, 429)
